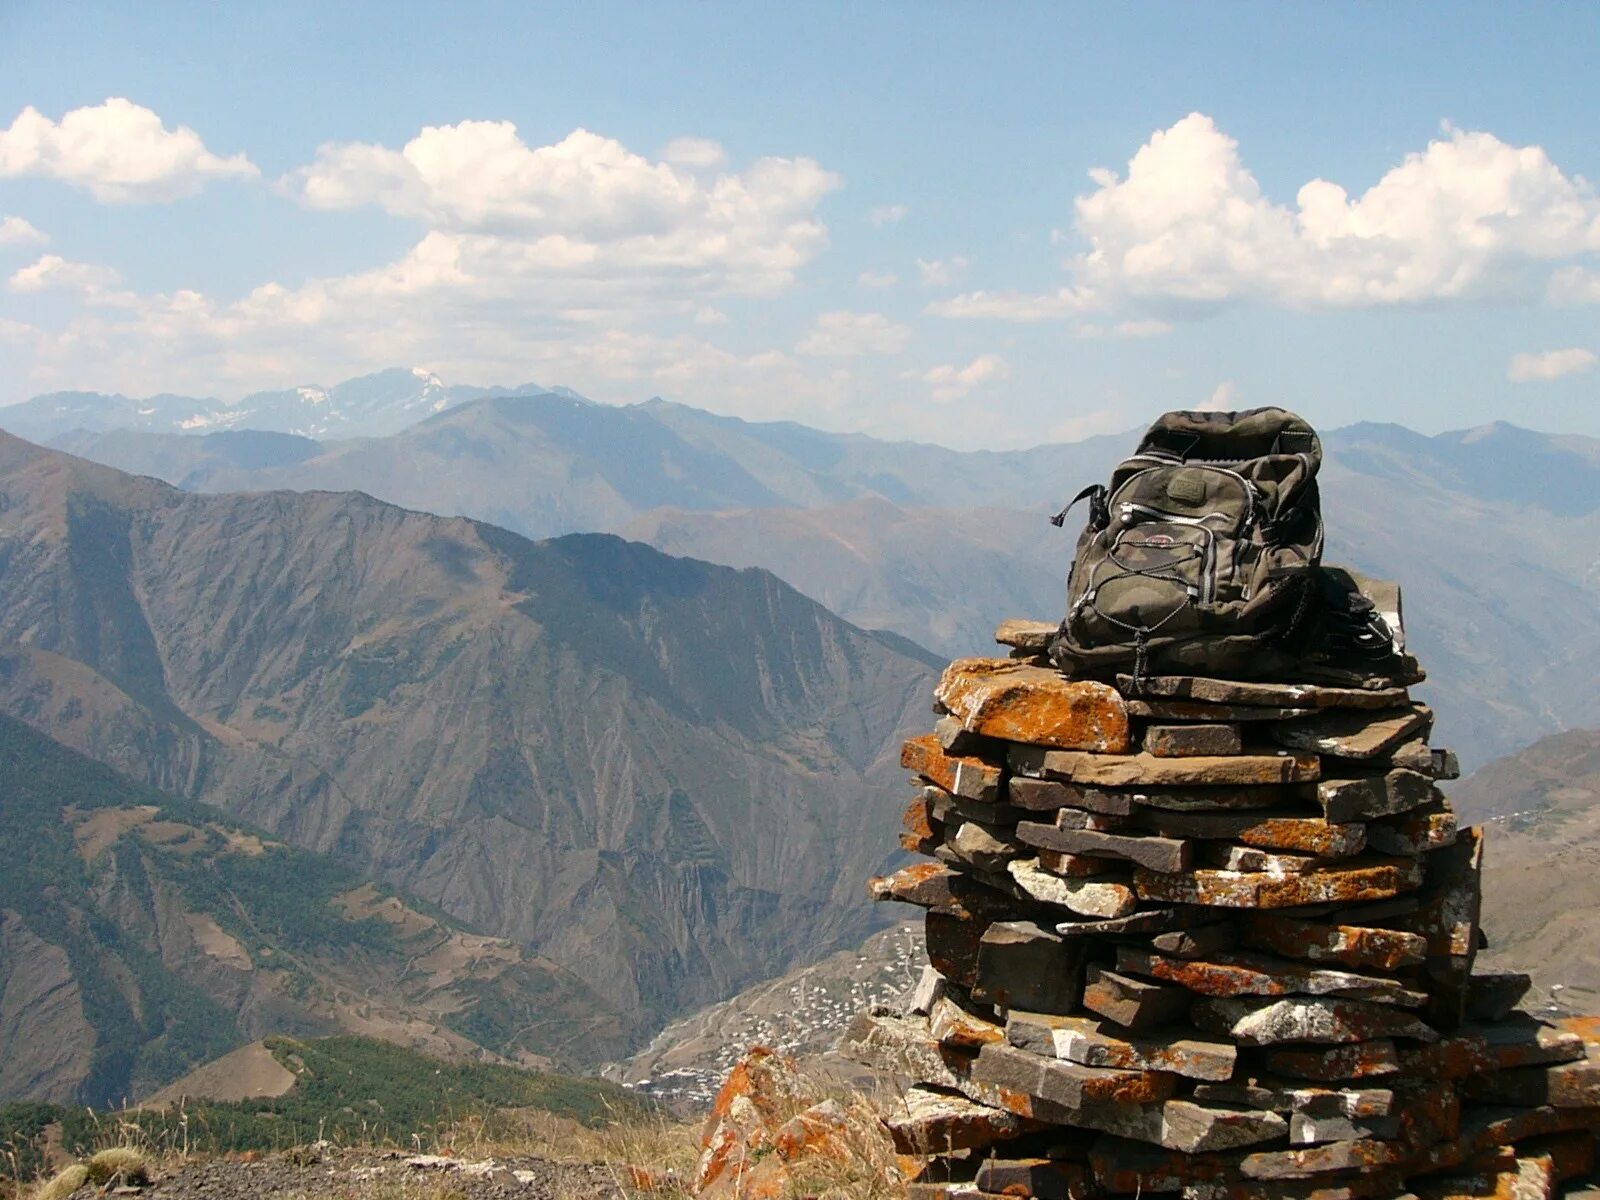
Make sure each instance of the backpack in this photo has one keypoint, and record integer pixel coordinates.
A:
(1201, 555)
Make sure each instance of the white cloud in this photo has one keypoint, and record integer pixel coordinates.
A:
(15, 231)
(1122, 329)
(1224, 398)
(851, 334)
(1014, 306)
(119, 151)
(52, 271)
(1542, 368)
(877, 280)
(1087, 425)
(951, 383)
(1574, 285)
(586, 204)
(536, 254)
(887, 214)
(694, 152)
(1189, 224)
(941, 272)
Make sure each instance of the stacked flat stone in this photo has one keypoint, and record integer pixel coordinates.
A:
(1210, 939)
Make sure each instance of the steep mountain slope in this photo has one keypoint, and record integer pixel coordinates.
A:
(1494, 532)
(1541, 808)
(141, 934)
(663, 775)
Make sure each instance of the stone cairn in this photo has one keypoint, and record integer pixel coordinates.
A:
(1211, 939)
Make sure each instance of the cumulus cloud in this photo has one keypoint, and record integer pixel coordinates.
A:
(586, 204)
(1224, 398)
(15, 231)
(940, 272)
(120, 152)
(851, 334)
(51, 271)
(1554, 364)
(951, 383)
(1188, 224)
(694, 152)
(1015, 306)
(527, 255)
(887, 214)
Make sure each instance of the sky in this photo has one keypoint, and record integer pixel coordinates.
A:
(980, 225)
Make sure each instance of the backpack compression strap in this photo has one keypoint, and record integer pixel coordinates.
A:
(1099, 514)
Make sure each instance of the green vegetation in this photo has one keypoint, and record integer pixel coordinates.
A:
(348, 1090)
(151, 1024)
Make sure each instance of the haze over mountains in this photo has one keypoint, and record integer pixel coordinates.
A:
(569, 745)
(1493, 531)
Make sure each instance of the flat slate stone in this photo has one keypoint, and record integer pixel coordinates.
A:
(1361, 880)
(1377, 795)
(1196, 942)
(1276, 695)
(1435, 762)
(1152, 708)
(1219, 799)
(1374, 1059)
(942, 890)
(1148, 771)
(952, 1025)
(1019, 702)
(1153, 920)
(1048, 795)
(1354, 733)
(1076, 866)
(1092, 896)
(1245, 974)
(1023, 965)
(1134, 1003)
(1066, 1083)
(982, 846)
(1264, 1021)
(962, 775)
(1432, 827)
(948, 808)
(1192, 741)
(1296, 832)
(1573, 1084)
(1198, 1128)
(1091, 1043)
(936, 1121)
(1077, 818)
(1020, 634)
(1225, 856)
(1348, 945)
(1158, 853)
(1286, 1098)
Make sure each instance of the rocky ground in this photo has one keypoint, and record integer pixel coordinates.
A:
(381, 1175)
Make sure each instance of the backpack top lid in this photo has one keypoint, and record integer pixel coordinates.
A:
(1233, 436)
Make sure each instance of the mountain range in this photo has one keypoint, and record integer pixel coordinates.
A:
(141, 934)
(579, 746)
(1493, 531)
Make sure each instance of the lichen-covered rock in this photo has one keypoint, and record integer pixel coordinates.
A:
(1017, 702)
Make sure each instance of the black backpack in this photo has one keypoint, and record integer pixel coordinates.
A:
(1201, 555)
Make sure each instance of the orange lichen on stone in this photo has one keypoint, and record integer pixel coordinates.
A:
(961, 775)
(1018, 702)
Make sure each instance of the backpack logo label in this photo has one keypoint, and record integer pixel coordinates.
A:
(1186, 488)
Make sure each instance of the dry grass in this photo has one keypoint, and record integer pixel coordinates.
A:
(63, 1183)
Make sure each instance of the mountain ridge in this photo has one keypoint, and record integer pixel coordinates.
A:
(556, 742)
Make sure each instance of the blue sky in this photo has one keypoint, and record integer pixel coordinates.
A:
(874, 217)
